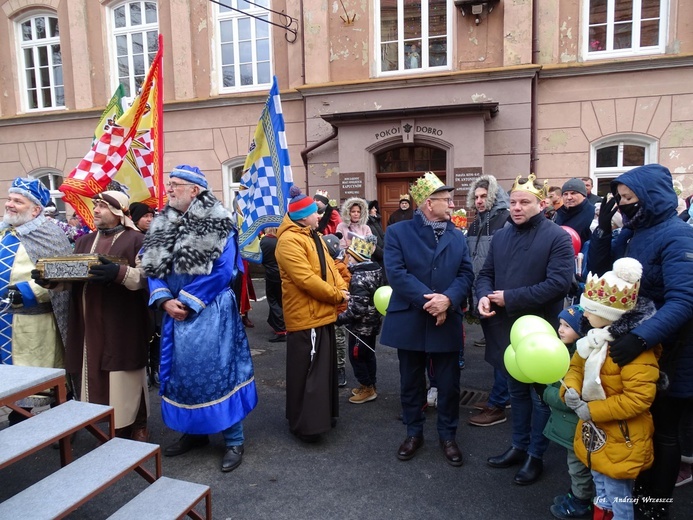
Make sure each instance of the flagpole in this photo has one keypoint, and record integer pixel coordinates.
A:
(159, 144)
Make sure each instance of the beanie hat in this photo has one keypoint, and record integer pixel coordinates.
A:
(32, 189)
(373, 204)
(322, 196)
(300, 206)
(362, 248)
(190, 174)
(573, 317)
(575, 185)
(616, 292)
(333, 246)
(139, 210)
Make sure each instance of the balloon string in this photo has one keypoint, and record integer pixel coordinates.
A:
(563, 384)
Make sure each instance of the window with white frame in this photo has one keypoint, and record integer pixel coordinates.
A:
(52, 180)
(135, 30)
(232, 171)
(39, 44)
(413, 35)
(613, 156)
(618, 28)
(244, 45)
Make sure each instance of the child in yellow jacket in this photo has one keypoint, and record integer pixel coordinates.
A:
(614, 435)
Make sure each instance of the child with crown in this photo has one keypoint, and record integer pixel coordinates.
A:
(614, 435)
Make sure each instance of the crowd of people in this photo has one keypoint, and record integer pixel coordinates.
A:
(623, 411)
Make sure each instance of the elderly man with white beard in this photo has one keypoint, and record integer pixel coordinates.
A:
(32, 317)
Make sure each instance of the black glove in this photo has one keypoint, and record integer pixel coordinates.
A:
(105, 272)
(38, 279)
(606, 212)
(626, 348)
(14, 296)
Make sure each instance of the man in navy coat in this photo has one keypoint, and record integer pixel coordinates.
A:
(528, 270)
(430, 271)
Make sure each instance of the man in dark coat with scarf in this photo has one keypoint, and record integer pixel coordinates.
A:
(528, 270)
(663, 244)
(577, 212)
(191, 256)
(430, 272)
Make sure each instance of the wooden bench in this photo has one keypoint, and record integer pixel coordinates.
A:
(42, 430)
(166, 499)
(64, 491)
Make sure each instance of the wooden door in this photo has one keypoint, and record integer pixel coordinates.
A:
(389, 191)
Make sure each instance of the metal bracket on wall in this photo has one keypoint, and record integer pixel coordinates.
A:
(289, 24)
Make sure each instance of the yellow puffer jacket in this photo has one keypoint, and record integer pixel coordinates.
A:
(623, 417)
(308, 300)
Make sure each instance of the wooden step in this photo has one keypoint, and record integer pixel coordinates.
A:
(165, 499)
(68, 488)
(33, 434)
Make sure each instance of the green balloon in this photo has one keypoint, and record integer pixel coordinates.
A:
(381, 298)
(526, 325)
(511, 366)
(542, 357)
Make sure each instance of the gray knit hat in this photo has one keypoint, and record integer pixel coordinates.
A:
(575, 185)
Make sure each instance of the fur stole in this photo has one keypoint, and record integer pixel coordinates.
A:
(187, 243)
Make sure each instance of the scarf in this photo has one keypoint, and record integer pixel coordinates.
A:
(187, 243)
(593, 349)
(438, 227)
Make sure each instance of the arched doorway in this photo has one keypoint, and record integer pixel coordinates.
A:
(397, 168)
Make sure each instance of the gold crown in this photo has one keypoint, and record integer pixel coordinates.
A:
(362, 247)
(600, 291)
(424, 187)
(528, 186)
(322, 193)
(404, 196)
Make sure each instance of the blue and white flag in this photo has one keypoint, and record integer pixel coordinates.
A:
(264, 194)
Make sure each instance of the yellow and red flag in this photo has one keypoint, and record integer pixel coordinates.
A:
(127, 148)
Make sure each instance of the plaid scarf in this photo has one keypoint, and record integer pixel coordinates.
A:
(438, 227)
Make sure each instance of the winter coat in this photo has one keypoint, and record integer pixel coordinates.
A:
(399, 215)
(329, 221)
(578, 218)
(563, 421)
(663, 244)
(308, 300)
(624, 416)
(344, 272)
(377, 230)
(533, 264)
(361, 316)
(416, 265)
(347, 228)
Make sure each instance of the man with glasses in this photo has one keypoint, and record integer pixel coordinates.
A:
(191, 256)
(430, 272)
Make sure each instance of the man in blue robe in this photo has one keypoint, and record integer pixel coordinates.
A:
(191, 257)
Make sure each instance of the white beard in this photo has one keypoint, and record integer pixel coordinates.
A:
(16, 220)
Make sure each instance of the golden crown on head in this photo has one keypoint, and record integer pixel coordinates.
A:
(529, 187)
(322, 193)
(600, 291)
(362, 246)
(404, 196)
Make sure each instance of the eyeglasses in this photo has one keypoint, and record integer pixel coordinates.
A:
(174, 185)
(448, 200)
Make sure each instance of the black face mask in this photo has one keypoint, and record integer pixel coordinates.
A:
(629, 210)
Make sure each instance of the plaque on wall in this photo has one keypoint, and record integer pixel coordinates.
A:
(462, 181)
(352, 185)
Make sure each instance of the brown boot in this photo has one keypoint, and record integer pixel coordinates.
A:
(140, 434)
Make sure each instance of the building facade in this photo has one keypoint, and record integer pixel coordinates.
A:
(373, 93)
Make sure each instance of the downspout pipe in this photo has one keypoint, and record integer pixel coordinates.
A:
(306, 151)
(535, 87)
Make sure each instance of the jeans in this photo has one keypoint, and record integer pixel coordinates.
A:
(233, 435)
(530, 416)
(363, 359)
(615, 495)
(499, 395)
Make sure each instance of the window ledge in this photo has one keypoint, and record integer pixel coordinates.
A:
(635, 64)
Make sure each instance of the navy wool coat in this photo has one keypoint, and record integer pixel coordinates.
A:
(533, 265)
(416, 265)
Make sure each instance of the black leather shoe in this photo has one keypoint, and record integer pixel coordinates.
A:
(512, 457)
(186, 443)
(529, 472)
(232, 458)
(277, 338)
(408, 448)
(452, 452)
